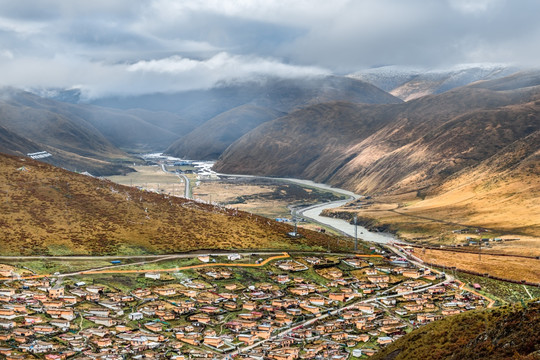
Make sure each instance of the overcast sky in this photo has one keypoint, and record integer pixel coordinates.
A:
(111, 47)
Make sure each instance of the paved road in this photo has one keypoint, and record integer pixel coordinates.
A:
(111, 269)
(314, 212)
(187, 188)
(344, 227)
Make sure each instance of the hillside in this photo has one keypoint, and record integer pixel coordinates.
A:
(414, 147)
(229, 111)
(43, 122)
(210, 139)
(508, 332)
(48, 210)
(83, 137)
(73, 127)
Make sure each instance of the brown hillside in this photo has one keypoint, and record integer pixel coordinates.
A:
(210, 139)
(468, 156)
(48, 210)
(509, 332)
(372, 148)
(247, 105)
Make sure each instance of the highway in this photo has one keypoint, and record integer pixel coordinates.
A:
(187, 188)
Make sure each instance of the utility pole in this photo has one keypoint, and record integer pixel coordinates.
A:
(295, 224)
(480, 250)
(355, 233)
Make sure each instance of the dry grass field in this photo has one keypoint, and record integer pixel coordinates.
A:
(261, 197)
(506, 205)
(513, 268)
(152, 178)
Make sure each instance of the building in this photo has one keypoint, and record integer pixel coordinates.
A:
(56, 291)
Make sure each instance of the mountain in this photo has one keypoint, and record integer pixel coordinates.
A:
(244, 106)
(48, 210)
(507, 332)
(12, 143)
(411, 83)
(279, 94)
(83, 137)
(44, 121)
(210, 139)
(408, 147)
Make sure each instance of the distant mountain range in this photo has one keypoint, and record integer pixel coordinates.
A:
(261, 102)
(333, 129)
(411, 83)
(487, 129)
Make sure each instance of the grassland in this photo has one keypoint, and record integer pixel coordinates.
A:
(261, 196)
(47, 210)
(501, 291)
(508, 332)
(152, 178)
(508, 267)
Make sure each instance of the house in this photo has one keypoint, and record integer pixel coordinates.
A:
(7, 292)
(44, 329)
(246, 338)
(375, 279)
(383, 340)
(415, 274)
(23, 332)
(99, 312)
(204, 258)
(153, 275)
(56, 292)
(413, 307)
(63, 313)
(32, 319)
(95, 289)
(365, 308)
(337, 296)
(154, 326)
(447, 312)
(427, 317)
(62, 324)
(38, 347)
(213, 341)
(165, 291)
(7, 314)
(7, 324)
(192, 338)
(105, 321)
(233, 257)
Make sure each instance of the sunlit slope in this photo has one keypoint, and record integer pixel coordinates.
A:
(47, 210)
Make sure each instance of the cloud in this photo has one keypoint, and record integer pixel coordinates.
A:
(473, 6)
(97, 79)
(124, 47)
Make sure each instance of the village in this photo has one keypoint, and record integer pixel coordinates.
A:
(301, 306)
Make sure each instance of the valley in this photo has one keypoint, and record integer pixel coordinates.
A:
(269, 180)
(190, 260)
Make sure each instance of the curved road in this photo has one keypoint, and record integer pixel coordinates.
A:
(187, 188)
(314, 212)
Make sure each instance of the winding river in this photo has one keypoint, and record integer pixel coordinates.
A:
(313, 212)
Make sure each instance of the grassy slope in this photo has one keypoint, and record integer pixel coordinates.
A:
(508, 332)
(467, 157)
(47, 210)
